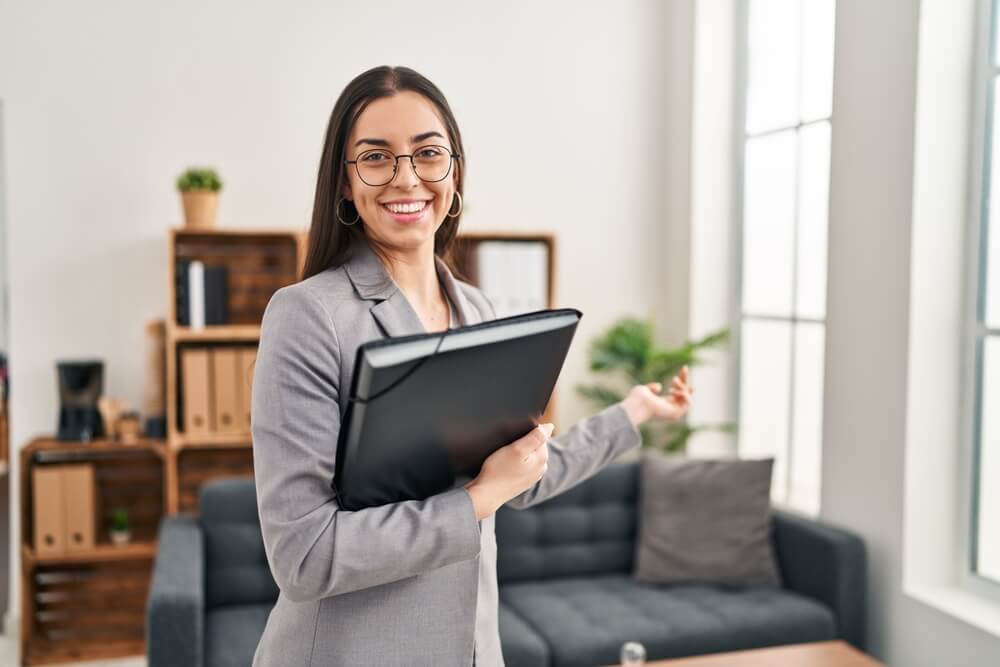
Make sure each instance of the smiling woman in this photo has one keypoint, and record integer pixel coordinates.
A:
(412, 582)
(385, 118)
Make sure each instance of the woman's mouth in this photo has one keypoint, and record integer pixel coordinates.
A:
(406, 211)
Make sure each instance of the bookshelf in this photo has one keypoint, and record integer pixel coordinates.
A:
(60, 593)
(258, 262)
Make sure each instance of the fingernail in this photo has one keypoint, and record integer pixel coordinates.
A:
(547, 428)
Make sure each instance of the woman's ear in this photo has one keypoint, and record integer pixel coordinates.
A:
(345, 191)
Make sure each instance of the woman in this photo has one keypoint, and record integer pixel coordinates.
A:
(410, 583)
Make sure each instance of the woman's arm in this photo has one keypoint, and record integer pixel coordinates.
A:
(581, 452)
(314, 548)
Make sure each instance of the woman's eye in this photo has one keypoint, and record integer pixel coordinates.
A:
(374, 157)
(429, 152)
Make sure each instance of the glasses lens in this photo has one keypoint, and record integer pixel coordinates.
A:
(432, 162)
(375, 166)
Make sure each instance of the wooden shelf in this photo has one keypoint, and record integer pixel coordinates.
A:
(216, 333)
(102, 552)
(45, 445)
(212, 440)
(44, 652)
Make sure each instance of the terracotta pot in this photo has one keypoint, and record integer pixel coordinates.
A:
(199, 208)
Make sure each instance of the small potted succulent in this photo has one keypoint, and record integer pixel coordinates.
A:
(120, 533)
(199, 188)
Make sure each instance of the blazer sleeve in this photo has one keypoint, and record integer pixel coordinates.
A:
(314, 548)
(580, 452)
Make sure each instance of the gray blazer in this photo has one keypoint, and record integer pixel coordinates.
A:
(411, 583)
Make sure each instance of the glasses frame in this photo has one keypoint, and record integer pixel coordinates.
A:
(395, 165)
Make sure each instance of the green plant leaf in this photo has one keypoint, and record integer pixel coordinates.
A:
(627, 352)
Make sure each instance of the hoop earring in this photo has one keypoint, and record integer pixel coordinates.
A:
(342, 221)
(460, 206)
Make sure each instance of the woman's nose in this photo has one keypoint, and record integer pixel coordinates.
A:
(405, 176)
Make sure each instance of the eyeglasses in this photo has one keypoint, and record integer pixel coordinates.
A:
(378, 165)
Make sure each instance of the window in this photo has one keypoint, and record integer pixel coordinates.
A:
(986, 447)
(786, 163)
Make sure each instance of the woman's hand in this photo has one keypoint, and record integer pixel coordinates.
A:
(510, 470)
(644, 400)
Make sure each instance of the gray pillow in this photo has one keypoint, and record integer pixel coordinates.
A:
(705, 521)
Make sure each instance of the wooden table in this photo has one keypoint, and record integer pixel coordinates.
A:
(818, 654)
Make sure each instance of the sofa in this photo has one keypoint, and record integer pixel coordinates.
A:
(564, 567)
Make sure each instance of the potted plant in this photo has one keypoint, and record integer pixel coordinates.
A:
(120, 533)
(627, 350)
(199, 188)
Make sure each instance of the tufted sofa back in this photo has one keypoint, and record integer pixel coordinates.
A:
(236, 569)
(589, 529)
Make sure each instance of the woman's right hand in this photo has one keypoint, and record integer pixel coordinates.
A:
(510, 470)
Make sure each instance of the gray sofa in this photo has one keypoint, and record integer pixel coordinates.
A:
(566, 593)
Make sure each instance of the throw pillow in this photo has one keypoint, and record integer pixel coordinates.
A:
(705, 521)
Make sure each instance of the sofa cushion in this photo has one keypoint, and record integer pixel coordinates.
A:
(236, 569)
(232, 634)
(521, 646)
(588, 529)
(705, 521)
(585, 621)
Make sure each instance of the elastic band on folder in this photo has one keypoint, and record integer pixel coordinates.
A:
(358, 399)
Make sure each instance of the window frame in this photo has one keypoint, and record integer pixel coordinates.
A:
(741, 139)
(986, 78)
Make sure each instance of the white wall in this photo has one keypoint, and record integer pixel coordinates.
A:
(106, 102)
(872, 207)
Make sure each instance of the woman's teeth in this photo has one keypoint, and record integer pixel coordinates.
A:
(411, 207)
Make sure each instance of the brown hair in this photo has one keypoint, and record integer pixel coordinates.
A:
(330, 242)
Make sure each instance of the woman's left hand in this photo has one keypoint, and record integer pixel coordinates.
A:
(644, 400)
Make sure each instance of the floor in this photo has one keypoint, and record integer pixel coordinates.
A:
(9, 657)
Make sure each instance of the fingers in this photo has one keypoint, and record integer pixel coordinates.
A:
(535, 439)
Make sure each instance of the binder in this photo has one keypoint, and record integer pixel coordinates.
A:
(427, 408)
(196, 391)
(49, 510)
(80, 493)
(248, 356)
(224, 389)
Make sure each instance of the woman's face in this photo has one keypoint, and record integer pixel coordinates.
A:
(406, 211)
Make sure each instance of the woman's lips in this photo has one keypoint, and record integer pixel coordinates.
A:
(406, 215)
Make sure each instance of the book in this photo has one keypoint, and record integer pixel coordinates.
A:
(427, 408)
(183, 306)
(216, 295)
(196, 294)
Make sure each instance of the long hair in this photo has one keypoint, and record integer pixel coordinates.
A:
(331, 243)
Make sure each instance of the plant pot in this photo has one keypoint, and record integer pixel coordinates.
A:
(199, 208)
(120, 537)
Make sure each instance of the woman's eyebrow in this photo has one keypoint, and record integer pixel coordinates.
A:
(416, 138)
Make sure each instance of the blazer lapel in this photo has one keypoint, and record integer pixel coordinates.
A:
(391, 309)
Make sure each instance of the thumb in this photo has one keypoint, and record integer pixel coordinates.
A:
(655, 387)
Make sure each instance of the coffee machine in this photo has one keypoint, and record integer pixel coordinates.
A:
(81, 384)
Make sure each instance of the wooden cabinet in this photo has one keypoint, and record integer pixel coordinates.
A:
(84, 598)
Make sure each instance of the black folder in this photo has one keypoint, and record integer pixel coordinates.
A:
(417, 420)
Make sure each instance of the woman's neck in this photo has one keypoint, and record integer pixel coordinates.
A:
(415, 273)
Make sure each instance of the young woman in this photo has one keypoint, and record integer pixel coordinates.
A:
(411, 583)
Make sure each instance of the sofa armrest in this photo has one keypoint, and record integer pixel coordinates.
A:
(828, 564)
(175, 610)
